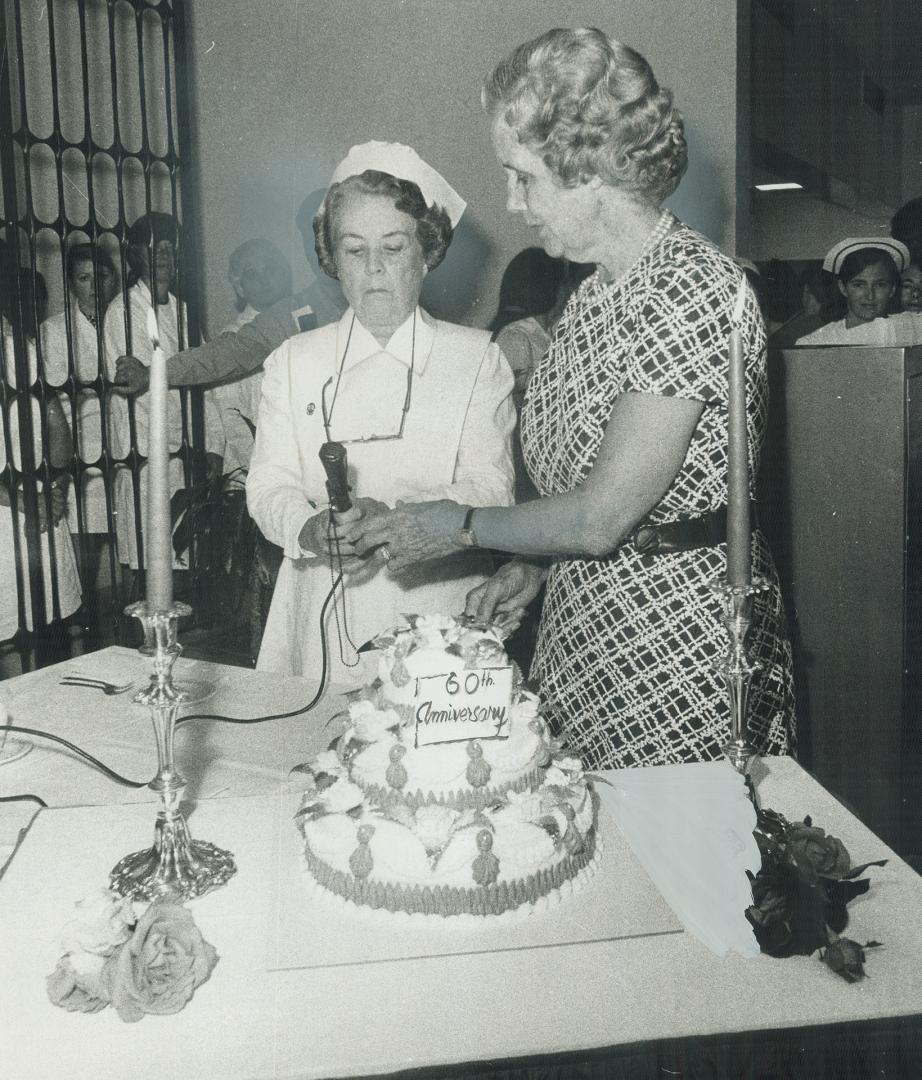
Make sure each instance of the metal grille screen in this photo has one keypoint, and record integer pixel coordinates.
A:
(91, 144)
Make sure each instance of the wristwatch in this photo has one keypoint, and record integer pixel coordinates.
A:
(467, 537)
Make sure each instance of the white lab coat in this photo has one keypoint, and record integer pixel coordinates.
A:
(67, 591)
(87, 412)
(455, 445)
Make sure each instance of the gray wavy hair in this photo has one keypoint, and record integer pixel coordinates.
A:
(589, 105)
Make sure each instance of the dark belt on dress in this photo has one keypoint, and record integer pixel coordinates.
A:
(665, 538)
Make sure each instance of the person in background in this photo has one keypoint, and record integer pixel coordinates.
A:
(421, 406)
(261, 277)
(624, 427)
(911, 288)
(867, 273)
(236, 353)
(819, 299)
(92, 283)
(60, 582)
(151, 279)
(533, 293)
(906, 226)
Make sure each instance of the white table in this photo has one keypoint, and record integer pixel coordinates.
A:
(253, 1023)
(217, 760)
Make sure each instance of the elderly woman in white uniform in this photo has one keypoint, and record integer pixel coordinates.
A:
(422, 407)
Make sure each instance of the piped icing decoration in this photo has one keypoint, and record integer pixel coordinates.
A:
(478, 770)
(396, 775)
(485, 867)
(360, 861)
(572, 840)
(537, 727)
(347, 747)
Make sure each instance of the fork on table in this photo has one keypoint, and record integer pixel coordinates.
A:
(96, 684)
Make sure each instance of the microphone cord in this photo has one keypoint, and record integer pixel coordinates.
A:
(124, 780)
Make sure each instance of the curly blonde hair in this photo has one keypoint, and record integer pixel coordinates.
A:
(590, 106)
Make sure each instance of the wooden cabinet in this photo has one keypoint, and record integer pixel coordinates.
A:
(842, 496)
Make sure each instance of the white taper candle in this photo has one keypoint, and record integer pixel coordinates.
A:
(157, 541)
(739, 527)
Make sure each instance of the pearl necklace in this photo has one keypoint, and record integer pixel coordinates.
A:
(652, 242)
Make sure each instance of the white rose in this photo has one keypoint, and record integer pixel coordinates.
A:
(87, 965)
(429, 623)
(103, 922)
(526, 803)
(328, 762)
(341, 796)
(433, 825)
(527, 705)
(437, 631)
(370, 724)
(570, 765)
(555, 777)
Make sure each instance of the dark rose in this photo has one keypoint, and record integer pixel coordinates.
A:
(76, 992)
(771, 914)
(160, 967)
(817, 854)
(787, 913)
(846, 958)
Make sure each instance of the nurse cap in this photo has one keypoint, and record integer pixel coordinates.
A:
(894, 248)
(404, 163)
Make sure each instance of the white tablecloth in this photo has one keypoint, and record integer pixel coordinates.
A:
(216, 759)
(250, 1022)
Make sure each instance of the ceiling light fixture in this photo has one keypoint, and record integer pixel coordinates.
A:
(787, 185)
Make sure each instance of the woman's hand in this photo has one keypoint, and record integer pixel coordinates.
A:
(326, 538)
(503, 598)
(131, 375)
(412, 533)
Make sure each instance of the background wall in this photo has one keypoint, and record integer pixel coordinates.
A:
(836, 105)
(283, 89)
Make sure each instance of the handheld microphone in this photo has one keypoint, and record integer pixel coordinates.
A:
(333, 460)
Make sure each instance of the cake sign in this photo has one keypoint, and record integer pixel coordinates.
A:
(472, 703)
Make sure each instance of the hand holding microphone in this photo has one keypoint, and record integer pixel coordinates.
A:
(333, 460)
(323, 533)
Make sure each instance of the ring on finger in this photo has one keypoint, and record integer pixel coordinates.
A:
(385, 552)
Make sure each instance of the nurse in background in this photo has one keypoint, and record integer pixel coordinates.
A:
(867, 272)
(92, 283)
(911, 288)
(151, 280)
(60, 583)
(260, 276)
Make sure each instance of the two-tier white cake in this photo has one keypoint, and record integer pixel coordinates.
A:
(446, 794)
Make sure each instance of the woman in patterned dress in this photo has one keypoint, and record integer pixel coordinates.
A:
(624, 427)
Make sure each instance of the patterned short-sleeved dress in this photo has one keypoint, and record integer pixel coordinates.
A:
(627, 643)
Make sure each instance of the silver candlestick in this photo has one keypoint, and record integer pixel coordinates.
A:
(735, 666)
(176, 866)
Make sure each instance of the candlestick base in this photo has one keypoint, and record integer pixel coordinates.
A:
(176, 866)
(736, 667)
